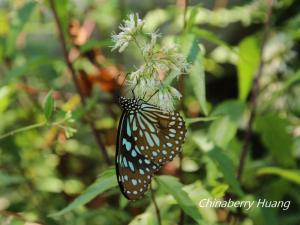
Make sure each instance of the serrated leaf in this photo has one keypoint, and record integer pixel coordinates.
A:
(106, 181)
(171, 185)
(226, 167)
(48, 105)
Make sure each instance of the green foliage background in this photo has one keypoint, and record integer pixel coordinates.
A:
(51, 168)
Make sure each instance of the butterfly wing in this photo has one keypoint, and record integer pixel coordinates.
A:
(134, 170)
(158, 134)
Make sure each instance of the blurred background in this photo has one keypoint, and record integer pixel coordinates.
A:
(57, 136)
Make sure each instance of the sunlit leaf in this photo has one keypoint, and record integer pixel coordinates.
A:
(174, 187)
(247, 66)
(106, 181)
(288, 174)
(219, 191)
(48, 105)
(4, 98)
(197, 76)
(146, 218)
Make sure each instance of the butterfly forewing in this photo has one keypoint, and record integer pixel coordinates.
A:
(160, 134)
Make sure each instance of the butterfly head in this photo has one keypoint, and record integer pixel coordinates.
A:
(130, 104)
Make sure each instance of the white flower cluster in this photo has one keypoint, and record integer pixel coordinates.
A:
(131, 26)
(151, 81)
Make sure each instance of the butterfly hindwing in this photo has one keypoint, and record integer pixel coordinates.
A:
(160, 134)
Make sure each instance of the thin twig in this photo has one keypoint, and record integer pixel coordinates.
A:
(22, 129)
(73, 74)
(254, 94)
(155, 205)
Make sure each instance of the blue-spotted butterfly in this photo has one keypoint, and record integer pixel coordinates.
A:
(147, 139)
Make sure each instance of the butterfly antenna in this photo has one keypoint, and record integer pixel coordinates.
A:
(132, 91)
(125, 78)
(161, 84)
(152, 96)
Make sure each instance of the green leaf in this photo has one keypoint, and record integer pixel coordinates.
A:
(247, 65)
(63, 7)
(5, 93)
(106, 181)
(275, 136)
(191, 19)
(197, 76)
(226, 167)
(9, 179)
(48, 105)
(200, 119)
(146, 218)
(224, 129)
(17, 25)
(293, 79)
(29, 66)
(209, 36)
(219, 191)
(92, 44)
(171, 185)
(288, 174)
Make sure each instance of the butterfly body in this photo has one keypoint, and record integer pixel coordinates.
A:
(147, 139)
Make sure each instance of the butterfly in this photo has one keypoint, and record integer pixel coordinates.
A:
(147, 139)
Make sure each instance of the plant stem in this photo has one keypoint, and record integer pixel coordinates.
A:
(22, 129)
(155, 205)
(254, 95)
(73, 74)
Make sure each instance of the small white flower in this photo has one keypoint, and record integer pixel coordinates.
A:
(137, 74)
(128, 30)
(175, 93)
(148, 48)
(164, 98)
(174, 59)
